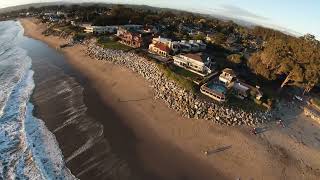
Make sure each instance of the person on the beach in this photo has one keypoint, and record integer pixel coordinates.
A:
(281, 124)
(254, 131)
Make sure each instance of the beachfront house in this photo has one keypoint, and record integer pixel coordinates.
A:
(198, 63)
(100, 29)
(240, 90)
(133, 37)
(244, 90)
(227, 76)
(172, 45)
(182, 46)
(254, 91)
(159, 49)
(215, 90)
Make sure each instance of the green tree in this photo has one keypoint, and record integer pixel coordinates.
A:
(295, 58)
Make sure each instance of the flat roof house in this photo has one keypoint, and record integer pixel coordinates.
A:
(100, 29)
(253, 91)
(227, 76)
(198, 63)
(243, 90)
(214, 90)
(240, 90)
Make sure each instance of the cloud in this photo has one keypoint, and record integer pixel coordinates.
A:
(236, 11)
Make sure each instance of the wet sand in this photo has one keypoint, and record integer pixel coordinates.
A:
(156, 142)
(63, 100)
(114, 154)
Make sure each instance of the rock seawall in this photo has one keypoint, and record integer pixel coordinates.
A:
(186, 103)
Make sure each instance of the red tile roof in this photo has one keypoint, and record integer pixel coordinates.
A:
(162, 47)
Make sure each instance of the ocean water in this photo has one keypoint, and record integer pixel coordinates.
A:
(28, 150)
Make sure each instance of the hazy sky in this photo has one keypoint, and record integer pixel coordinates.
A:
(301, 16)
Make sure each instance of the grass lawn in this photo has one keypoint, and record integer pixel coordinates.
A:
(316, 101)
(181, 80)
(185, 73)
(110, 44)
(246, 104)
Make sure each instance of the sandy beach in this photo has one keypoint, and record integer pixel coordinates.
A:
(171, 147)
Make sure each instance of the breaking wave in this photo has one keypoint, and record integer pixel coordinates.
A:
(28, 150)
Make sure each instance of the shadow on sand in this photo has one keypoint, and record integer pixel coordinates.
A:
(209, 152)
(260, 130)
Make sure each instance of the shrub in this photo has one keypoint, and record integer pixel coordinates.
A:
(235, 58)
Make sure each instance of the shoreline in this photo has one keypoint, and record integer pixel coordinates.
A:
(166, 170)
(155, 125)
(68, 129)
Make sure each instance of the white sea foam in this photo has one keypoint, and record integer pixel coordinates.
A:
(28, 150)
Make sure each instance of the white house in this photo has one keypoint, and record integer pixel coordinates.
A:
(183, 46)
(197, 63)
(100, 29)
(227, 76)
(214, 90)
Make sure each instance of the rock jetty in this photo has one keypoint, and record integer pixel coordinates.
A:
(186, 103)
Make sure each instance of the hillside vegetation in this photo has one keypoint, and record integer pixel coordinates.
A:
(295, 61)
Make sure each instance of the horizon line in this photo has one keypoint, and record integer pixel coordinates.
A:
(217, 15)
